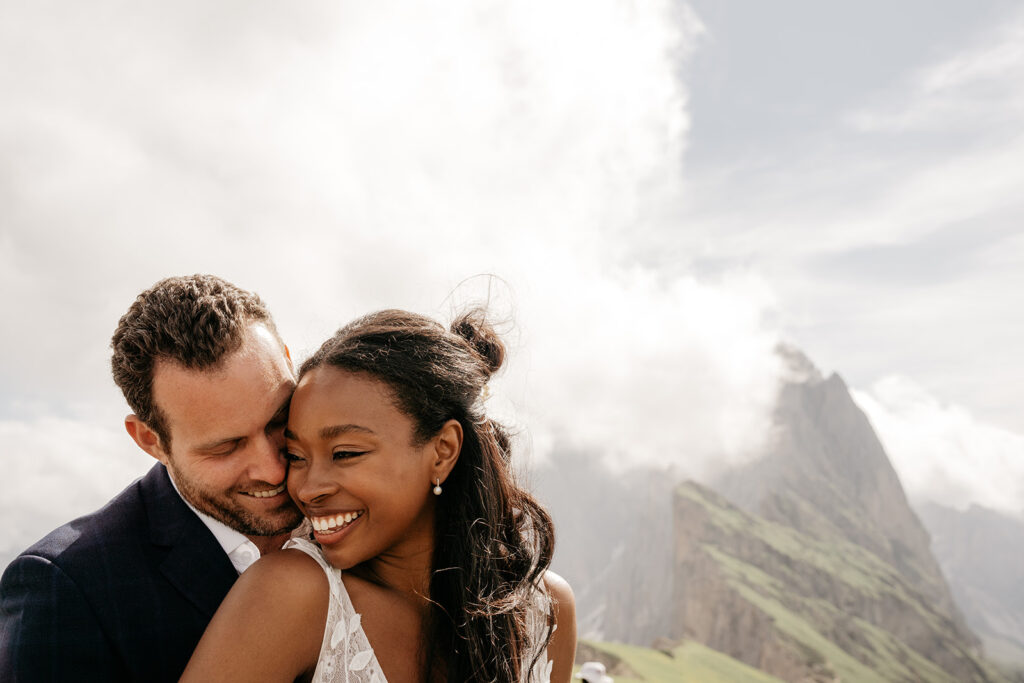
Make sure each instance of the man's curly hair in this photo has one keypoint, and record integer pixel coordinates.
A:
(195, 321)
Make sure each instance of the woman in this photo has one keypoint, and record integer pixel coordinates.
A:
(425, 562)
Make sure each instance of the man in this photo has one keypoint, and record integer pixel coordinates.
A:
(125, 593)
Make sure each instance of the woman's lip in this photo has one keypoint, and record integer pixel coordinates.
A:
(336, 536)
(328, 513)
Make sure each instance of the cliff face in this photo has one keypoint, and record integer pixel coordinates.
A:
(613, 545)
(807, 564)
(826, 474)
(981, 552)
(803, 608)
(812, 564)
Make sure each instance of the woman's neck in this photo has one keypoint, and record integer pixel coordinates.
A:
(405, 569)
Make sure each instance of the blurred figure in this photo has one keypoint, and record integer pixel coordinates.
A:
(594, 672)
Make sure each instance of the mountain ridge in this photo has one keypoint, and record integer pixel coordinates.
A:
(803, 608)
(807, 563)
(981, 551)
(826, 473)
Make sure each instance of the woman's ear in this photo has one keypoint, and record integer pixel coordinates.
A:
(447, 446)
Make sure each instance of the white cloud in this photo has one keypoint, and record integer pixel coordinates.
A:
(341, 158)
(937, 147)
(956, 134)
(942, 452)
(335, 158)
(891, 233)
(636, 372)
(971, 88)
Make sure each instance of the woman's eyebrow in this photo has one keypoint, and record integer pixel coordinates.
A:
(338, 430)
(332, 431)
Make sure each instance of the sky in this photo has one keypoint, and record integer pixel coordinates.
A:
(651, 196)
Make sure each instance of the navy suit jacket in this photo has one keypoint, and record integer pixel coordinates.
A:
(123, 594)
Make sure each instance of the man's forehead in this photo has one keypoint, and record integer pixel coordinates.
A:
(195, 418)
(259, 332)
(247, 387)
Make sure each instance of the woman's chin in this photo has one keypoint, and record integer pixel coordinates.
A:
(339, 559)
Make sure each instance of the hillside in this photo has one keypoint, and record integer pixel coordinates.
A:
(826, 474)
(807, 563)
(806, 609)
(686, 662)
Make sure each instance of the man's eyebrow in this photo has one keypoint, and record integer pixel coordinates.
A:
(217, 444)
(278, 417)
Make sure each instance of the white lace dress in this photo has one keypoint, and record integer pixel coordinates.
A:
(346, 655)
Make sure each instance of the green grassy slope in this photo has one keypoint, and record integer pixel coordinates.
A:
(689, 662)
(837, 606)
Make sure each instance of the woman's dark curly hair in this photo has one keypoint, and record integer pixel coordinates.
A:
(493, 541)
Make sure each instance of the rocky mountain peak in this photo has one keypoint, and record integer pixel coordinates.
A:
(826, 474)
(796, 365)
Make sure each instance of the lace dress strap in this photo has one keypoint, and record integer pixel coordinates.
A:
(345, 654)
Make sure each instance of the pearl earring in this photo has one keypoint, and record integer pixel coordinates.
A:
(437, 487)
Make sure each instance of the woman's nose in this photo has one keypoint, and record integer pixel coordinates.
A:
(316, 483)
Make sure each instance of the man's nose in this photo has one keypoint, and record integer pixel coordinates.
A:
(267, 463)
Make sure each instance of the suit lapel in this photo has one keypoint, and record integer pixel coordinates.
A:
(195, 563)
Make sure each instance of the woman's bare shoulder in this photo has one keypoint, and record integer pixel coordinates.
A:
(285, 577)
(562, 648)
(270, 625)
(559, 589)
(290, 562)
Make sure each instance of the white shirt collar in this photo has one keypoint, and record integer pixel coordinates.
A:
(240, 550)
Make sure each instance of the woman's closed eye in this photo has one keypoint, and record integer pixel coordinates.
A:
(291, 457)
(346, 455)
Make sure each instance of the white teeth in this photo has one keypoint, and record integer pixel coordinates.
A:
(266, 494)
(336, 523)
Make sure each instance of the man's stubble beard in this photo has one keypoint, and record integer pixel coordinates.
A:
(225, 510)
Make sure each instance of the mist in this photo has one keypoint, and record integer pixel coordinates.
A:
(339, 158)
(347, 158)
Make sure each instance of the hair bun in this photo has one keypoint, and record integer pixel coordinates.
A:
(474, 328)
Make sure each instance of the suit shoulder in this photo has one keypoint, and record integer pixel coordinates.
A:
(118, 523)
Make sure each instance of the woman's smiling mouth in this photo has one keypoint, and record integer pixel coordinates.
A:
(332, 524)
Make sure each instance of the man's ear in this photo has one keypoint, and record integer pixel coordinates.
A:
(447, 446)
(288, 358)
(147, 439)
